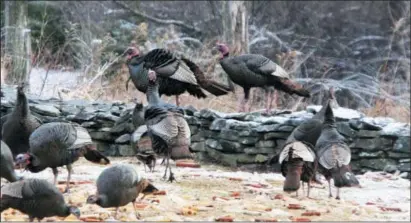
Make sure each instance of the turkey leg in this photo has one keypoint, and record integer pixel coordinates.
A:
(115, 215)
(268, 103)
(55, 173)
(69, 170)
(338, 194)
(329, 188)
(177, 100)
(274, 96)
(135, 210)
(244, 100)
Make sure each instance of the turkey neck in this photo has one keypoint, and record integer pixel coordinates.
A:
(22, 106)
(153, 97)
(225, 55)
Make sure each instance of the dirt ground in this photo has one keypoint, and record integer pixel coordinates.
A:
(211, 192)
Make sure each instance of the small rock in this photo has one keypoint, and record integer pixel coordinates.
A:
(404, 167)
(248, 140)
(125, 150)
(230, 146)
(345, 129)
(368, 133)
(405, 175)
(265, 143)
(89, 125)
(213, 144)
(390, 168)
(276, 135)
(402, 144)
(44, 109)
(372, 143)
(377, 164)
(123, 139)
(371, 154)
(198, 146)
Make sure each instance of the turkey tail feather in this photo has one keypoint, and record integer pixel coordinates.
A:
(291, 87)
(300, 150)
(293, 177)
(211, 86)
(181, 152)
(343, 177)
(95, 156)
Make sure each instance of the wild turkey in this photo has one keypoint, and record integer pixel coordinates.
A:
(37, 198)
(334, 155)
(167, 127)
(7, 165)
(19, 124)
(57, 144)
(254, 70)
(119, 185)
(300, 146)
(178, 74)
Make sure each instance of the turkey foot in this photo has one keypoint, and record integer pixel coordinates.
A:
(171, 178)
(177, 100)
(152, 76)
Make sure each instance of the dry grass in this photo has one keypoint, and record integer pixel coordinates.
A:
(388, 108)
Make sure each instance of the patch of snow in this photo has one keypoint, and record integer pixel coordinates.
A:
(340, 112)
(397, 129)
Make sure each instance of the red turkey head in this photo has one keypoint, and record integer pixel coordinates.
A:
(23, 159)
(131, 52)
(223, 48)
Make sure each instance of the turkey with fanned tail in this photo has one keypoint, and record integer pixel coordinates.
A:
(177, 74)
(167, 127)
(334, 155)
(300, 146)
(57, 144)
(254, 70)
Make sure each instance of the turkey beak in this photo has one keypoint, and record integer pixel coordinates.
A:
(75, 211)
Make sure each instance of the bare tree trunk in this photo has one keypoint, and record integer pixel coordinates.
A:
(235, 23)
(16, 42)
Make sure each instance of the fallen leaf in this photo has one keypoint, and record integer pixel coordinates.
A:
(188, 164)
(294, 206)
(161, 192)
(265, 220)
(301, 220)
(311, 213)
(225, 219)
(235, 194)
(235, 179)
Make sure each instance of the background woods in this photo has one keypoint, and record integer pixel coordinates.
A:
(362, 48)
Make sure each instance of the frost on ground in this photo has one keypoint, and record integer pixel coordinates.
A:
(211, 192)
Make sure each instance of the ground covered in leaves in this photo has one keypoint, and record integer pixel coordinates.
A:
(212, 193)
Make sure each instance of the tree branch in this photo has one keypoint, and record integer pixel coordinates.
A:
(157, 20)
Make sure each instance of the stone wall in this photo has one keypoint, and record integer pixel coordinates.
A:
(236, 139)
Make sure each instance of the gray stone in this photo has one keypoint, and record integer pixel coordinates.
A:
(267, 128)
(280, 143)
(368, 133)
(229, 135)
(248, 140)
(345, 129)
(371, 154)
(214, 144)
(90, 125)
(396, 130)
(102, 135)
(248, 132)
(191, 120)
(197, 137)
(265, 143)
(377, 164)
(404, 167)
(105, 148)
(83, 117)
(194, 129)
(231, 147)
(372, 143)
(398, 155)
(225, 159)
(355, 166)
(189, 110)
(261, 150)
(44, 109)
(126, 150)
(123, 139)
(402, 144)
(115, 111)
(285, 128)
(276, 135)
(198, 146)
(107, 116)
(404, 160)
(122, 128)
(405, 175)
(390, 168)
